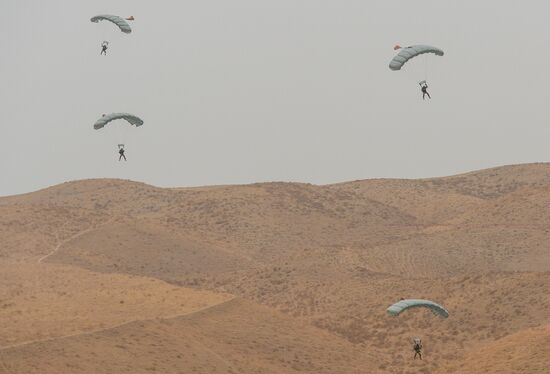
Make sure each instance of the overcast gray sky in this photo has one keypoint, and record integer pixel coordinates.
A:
(246, 91)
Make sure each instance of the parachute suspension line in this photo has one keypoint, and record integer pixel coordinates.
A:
(425, 67)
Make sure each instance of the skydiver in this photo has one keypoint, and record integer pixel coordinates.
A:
(424, 88)
(104, 46)
(121, 153)
(417, 348)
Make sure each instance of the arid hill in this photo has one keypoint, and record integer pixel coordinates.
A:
(231, 337)
(118, 276)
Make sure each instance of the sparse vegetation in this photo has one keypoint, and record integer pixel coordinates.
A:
(312, 269)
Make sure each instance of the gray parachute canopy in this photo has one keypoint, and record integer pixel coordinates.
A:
(403, 305)
(106, 118)
(120, 22)
(406, 54)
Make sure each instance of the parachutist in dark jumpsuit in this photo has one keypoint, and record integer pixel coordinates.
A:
(424, 88)
(417, 348)
(121, 153)
(104, 46)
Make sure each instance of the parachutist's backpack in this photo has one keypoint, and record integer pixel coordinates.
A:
(417, 344)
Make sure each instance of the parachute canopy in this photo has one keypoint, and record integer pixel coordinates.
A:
(120, 22)
(106, 118)
(403, 305)
(407, 53)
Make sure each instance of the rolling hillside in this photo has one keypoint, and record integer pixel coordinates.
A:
(278, 277)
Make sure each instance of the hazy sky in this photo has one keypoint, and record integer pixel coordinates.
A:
(239, 91)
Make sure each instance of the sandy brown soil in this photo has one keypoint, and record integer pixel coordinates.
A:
(231, 337)
(117, 276)
(526, 351)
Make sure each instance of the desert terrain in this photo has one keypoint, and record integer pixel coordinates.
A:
(115, 276)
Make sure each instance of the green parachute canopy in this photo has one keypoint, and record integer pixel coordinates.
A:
(119, 21)
(403, 305)
(106, 118)
(408, 53)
